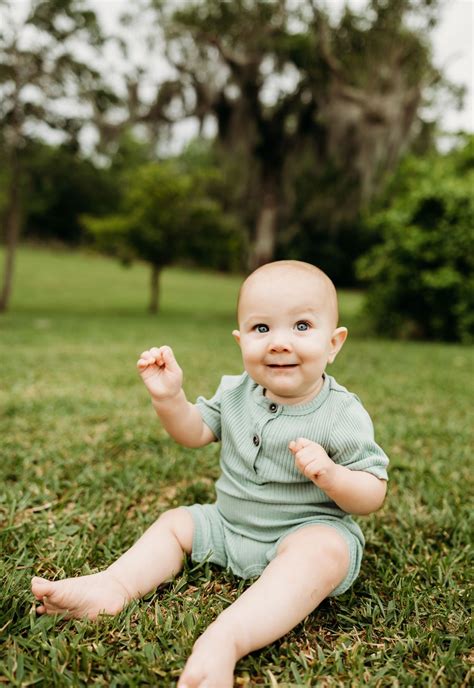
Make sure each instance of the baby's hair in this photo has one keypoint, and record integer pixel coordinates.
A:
(290, 266)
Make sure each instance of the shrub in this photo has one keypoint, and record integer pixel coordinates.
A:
(421, 275)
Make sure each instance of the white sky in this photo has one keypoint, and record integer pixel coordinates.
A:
(452, 42)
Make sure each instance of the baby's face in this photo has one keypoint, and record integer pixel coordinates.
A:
(288, 334)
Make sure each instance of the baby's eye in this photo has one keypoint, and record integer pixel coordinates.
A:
(302, 326)
(261, 328)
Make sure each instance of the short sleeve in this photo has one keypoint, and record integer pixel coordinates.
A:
(210, 410)
(352, 440)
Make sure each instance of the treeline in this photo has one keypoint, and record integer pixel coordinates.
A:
(310, 118)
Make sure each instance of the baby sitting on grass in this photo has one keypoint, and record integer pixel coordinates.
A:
(298, 457)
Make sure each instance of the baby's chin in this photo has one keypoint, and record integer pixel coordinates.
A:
(286, 394)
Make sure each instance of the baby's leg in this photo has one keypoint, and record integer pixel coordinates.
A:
(309, 565)
(155, 558)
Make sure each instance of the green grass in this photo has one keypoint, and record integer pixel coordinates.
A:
(85, 468)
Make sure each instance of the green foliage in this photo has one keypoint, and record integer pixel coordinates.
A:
(316, 226)
(219, 245)
(421, 276)
(129, 153)
(4, 178)
(60, 185)
(167, 215)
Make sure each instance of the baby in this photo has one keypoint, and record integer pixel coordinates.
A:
(298, 457)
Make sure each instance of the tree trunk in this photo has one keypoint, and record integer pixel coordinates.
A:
(155, 288)
(263, 249)
(12, 230)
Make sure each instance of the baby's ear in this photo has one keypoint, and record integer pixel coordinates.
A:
(338, 338)
(236, 336)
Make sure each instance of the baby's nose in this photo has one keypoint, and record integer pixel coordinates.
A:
(280, 344)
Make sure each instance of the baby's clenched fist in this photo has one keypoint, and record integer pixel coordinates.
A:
(160, 372)
(312, 460)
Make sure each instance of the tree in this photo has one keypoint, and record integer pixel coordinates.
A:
(165, 211)
(278, 78)
(421, 273)
(39, 71)
(62, 185)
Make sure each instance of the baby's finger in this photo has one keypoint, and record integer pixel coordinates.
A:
(308, 451)
(311, 470)
(302, 460)
(147, 356)
(301, 443)
(168, 358)
(294, 446)
(307, 466)
(158, 357)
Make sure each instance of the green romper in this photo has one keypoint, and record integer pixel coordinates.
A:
(261, 495)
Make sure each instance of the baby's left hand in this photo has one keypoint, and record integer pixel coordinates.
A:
(313, 462)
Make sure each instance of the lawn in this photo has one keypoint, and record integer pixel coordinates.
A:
(85, 467)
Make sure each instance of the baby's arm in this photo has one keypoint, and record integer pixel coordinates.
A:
(164, 378)
(356, 492)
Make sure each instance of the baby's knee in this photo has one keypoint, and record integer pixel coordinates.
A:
(320, 544)
(180, 523)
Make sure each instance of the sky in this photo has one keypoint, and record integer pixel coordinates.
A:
(452, 42)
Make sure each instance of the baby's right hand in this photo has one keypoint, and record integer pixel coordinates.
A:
(160, 372)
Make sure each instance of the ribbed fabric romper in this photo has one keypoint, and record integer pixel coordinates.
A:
(261, 495)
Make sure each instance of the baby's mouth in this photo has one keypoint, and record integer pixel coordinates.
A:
(281, 365)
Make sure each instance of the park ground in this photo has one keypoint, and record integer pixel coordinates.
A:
(85, 468)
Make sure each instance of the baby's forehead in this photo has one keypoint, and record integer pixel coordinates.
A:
(286, 275)
(310, 282)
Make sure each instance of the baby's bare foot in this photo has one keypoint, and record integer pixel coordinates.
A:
(212, 662)
(83, 597)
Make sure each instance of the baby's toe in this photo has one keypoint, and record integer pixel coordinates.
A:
(191, 678)
(41, 587)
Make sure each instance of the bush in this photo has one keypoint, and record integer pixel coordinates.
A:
(421, 277)
(62, 185)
